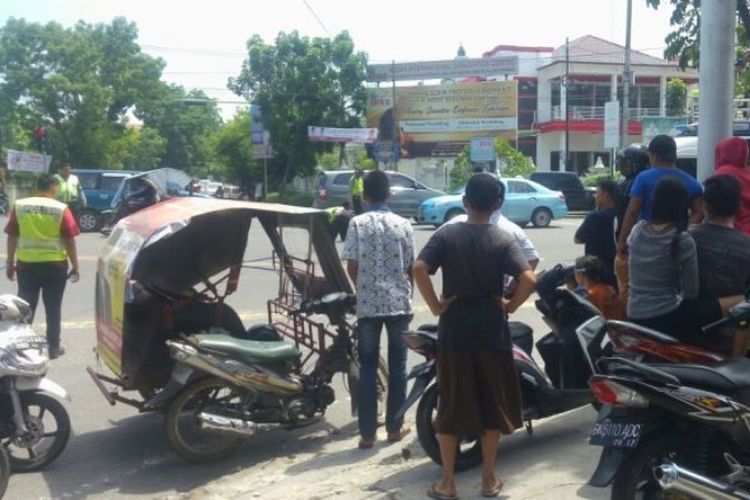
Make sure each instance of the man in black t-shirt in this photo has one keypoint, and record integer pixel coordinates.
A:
(597, 232)
(477, 380)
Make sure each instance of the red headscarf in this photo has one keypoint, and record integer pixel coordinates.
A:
(731, 159)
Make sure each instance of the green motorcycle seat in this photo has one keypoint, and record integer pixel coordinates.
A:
(254, 351)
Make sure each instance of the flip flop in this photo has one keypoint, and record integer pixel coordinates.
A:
(398, 436)
(494, 491)
(437, 495)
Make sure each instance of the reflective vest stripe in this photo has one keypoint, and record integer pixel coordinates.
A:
(39, 220)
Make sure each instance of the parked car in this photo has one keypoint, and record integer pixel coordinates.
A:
(406, 193)
(525, 201)
(577, 196)
(100, 187)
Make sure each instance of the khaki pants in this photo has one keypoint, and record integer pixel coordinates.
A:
(622, 271)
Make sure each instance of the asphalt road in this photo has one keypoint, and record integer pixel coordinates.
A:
(115, 452)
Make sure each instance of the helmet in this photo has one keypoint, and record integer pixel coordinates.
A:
(14, 308)
(632, 160)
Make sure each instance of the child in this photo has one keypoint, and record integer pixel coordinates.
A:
(592, 276)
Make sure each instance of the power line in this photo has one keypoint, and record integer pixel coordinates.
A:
(316, 17)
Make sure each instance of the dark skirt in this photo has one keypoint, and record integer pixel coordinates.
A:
(478, 391)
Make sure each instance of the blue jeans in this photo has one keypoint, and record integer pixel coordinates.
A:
(368, 343)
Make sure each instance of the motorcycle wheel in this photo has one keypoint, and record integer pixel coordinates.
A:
(352, 385)
(4, 471)
(635, 478)
(45, 438)
(182, 427)
(469, 453)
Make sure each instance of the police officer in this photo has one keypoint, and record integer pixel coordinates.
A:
(357, 188)
(41, 240)
(631, 161)
(70, 191)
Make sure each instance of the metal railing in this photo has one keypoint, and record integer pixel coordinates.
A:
(579, 113)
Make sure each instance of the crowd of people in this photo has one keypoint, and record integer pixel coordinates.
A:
(643, 262)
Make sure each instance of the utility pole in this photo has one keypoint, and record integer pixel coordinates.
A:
(716, 101)
(626, 78)
(395, 146)
(566, 83)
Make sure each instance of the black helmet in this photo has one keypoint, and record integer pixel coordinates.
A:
(632, 160)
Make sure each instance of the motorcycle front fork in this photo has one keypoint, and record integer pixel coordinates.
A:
(18, 417)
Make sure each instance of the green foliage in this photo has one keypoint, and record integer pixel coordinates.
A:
(233, 149)
(677, 92)
(512, 163)
(328, 160)
(299, 81)
(592, 179)
(136, 150)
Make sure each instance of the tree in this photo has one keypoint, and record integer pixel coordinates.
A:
(298, 82)
(78, 82)
(233, 149)
(683, 42)
(677, 92)
(137, 150)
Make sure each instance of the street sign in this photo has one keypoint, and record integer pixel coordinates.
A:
(263, 150)
(661, 125)
(446, 69)
(332, 134)
(482, 149)
(256, 126)
(386, 151)
(612, 124)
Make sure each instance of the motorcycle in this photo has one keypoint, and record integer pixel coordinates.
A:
(165, 330)
(577, 338)
(34, 425)
(675, 429)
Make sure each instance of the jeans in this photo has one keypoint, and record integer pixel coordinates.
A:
(368, 343)
(48, 278)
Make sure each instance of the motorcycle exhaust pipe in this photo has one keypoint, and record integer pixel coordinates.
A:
(673, 477)
(219, 423)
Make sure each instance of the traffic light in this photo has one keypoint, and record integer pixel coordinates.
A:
(42, 140)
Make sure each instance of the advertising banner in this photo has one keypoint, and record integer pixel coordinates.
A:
(661, 125)
(28, 162)
(439, 70)
(331, 134)
(440, 120)
(611, 124)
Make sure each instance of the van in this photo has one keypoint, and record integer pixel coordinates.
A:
(577, 197)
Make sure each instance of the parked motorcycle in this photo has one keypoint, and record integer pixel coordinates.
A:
(34, 425)
(675, 429)
(578, 333)
(236, 388)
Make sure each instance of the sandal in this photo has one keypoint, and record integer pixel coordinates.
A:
(438, 495)
(494, 491)
(398, 436)
(366, 444)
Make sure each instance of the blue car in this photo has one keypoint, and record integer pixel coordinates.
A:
(525, 201)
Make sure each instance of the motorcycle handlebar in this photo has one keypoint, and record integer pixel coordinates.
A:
(717, 324)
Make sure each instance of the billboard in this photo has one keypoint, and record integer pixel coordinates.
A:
(438, 70)
(439, 120)
(28, 162)
(332, 134)
(661, 125)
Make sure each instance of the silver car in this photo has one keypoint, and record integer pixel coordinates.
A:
(406, 193)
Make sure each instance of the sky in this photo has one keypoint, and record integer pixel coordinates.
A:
(203, 43)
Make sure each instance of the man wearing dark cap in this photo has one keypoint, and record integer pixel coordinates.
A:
(662, 151)
(478, 383)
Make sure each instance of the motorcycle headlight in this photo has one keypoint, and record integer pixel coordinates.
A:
(25, 360)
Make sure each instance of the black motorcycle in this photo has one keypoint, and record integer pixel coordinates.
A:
(675, 430)
(576, 338)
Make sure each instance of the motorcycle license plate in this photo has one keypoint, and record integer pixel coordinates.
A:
(616, 433)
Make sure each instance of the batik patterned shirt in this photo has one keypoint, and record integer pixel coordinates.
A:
(382, 243)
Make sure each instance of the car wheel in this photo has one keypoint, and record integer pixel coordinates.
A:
(453, 213)
(88, 221)
(542, 217)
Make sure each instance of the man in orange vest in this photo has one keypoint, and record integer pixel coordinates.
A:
(41, 240)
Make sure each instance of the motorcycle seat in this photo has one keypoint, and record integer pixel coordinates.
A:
(253, 351)
(725, 376)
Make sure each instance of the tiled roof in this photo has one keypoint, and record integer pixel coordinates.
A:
(591, 49)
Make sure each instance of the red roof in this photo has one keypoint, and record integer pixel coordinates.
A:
(517, 48)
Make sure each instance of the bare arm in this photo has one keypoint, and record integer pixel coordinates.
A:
(696, 210)
(631, 218)
(427, 289)
(71, 248)
(352, 268)
(526, 284)
(10, 270)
